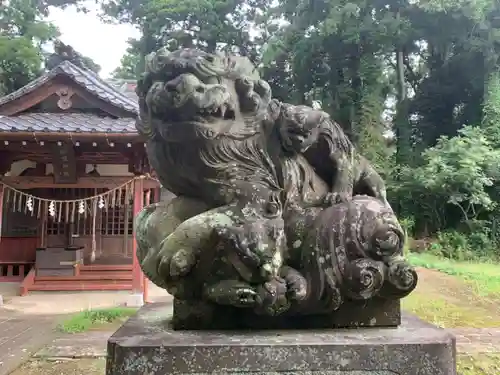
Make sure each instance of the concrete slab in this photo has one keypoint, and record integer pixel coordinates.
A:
(20, 337)
(48, 303)
(27, 323)
(80, 345)
(135, 300)
(91, 344)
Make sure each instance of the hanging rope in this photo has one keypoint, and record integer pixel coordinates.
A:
(66, 210)
(21, 201)
(21, 193)
(94, 244)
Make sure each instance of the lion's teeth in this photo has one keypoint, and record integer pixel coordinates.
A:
(223, 110)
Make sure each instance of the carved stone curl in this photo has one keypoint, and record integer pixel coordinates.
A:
(277, 217)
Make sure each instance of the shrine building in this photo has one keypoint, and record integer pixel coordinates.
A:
(73, 173)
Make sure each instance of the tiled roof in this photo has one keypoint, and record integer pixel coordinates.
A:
(66, 122)
(129, 90)
(85, 78)
(125, 86)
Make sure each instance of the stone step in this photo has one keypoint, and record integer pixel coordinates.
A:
(89, 285)
(88, 276)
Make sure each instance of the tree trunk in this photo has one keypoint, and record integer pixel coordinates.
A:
(402, 126)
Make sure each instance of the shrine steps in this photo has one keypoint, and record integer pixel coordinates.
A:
(57, 286)
(89, 278)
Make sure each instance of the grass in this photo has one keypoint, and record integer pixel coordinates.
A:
(483, 277)
(462, 294)
(449, 314)
(479, 364)
(92, 319)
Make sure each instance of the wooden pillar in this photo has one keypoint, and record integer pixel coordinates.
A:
(145, 279)
(157, 195)
(2, 190)
(137, 276)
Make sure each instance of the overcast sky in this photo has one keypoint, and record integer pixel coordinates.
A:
(104, 43)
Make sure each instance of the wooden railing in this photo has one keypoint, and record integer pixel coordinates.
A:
(14, 271)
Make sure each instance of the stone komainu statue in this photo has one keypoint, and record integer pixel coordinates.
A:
(278, 222)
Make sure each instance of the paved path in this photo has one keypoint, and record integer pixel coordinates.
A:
(477, 340)
(27, 323)
(49, 303)
(21, 336)
(79, 345)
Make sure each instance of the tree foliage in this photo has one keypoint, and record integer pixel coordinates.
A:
(23, 33)
(130, 65)
(212, 25)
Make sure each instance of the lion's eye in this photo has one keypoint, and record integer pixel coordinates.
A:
(200, 89)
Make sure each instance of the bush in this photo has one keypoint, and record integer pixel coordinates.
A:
(476, 245)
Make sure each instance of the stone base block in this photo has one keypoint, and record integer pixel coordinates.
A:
(202, 316)
(146, 344)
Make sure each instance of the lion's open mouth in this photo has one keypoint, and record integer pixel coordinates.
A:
(222, 112)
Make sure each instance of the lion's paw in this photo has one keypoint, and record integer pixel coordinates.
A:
(173, 267)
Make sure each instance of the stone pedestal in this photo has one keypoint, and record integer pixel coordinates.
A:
(146, 344)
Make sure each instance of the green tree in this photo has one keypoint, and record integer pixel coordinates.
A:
(130, 64)
(423, 69)
(20, 62)
(213, 25)
(458, 171)
(23, 32)
(343, 47)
